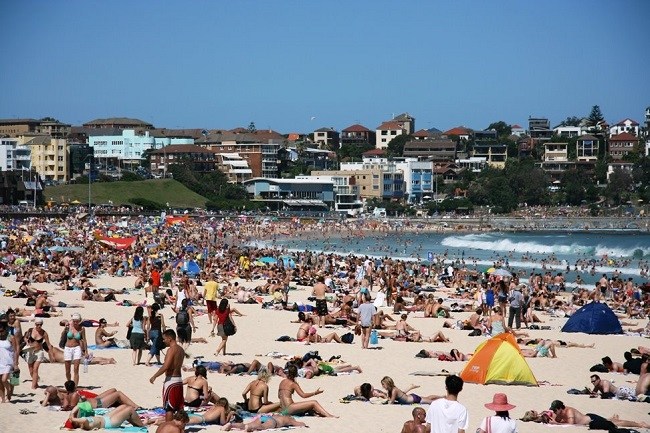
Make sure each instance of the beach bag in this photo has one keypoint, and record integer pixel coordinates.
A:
(374, 338)
(347, 338)
(128, 332)
(229, 328)
(357, 330)
(475, 333)
(182, 318)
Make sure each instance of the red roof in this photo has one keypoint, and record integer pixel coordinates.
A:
(422, 133)
(374, 152)
(624, 136)
(356, 128)
(390, 126)
(459, 130)
(515, 126)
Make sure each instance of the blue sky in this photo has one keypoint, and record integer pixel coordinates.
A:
(223, 64)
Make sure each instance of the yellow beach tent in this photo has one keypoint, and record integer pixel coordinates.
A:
(498, 360)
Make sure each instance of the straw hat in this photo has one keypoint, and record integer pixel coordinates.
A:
(499, 403)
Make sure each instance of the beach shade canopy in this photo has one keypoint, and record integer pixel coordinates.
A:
(192, 268)
(268, 260)
(594, 318)
(499, 361)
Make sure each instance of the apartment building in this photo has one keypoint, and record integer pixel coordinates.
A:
(436, 149)
(23, 127)
(199, 158)
(49, 156)
(13, 156)
(622, 144)
(376, 177)
(234, 166)
(386, 132)
(495, 154)
(587, 148)
(626, 125)
(357, 135)
(539, 129)
(327, 138)
(120, 150)
(119, 123)
(292, 194)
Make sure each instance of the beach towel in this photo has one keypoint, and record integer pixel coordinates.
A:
(432, 373)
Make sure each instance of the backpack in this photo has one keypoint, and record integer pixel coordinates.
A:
(182, 318)
(347, 338)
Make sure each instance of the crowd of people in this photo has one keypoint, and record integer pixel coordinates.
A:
(372, 297)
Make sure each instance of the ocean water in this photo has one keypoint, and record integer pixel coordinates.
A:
(589, 254)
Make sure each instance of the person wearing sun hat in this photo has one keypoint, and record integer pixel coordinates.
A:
(501, 422)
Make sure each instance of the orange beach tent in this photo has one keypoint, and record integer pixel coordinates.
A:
(498, 360)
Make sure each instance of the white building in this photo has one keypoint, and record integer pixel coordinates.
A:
(626, 125)
(346, 195)
(386, 132)
(13, 156)
(127, 148)
(568, 131)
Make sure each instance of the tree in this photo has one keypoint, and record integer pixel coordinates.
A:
(349, 152)
(571, 121)
(502, 128)
(251, 127)
(595, 116)
(620, 183)
(396, 145)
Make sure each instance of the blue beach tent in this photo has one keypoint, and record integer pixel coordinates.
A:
(593, 318)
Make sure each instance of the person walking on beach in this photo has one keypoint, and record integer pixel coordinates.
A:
(501, 422)
(75, 346)
(516, 300)
(210, 289)
(223, 312)
(446, 415)
(364, 319)
(173, 386)
(318, 292)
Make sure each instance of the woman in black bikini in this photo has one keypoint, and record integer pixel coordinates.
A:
(396, 395)
(285, 392)
(39, 345)
(198, 392)
(258, 401)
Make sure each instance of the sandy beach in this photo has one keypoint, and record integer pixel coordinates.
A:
(256, 336)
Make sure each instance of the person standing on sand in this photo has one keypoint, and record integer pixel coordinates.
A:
(318, 292)
(173, 385)
(446, 415)
(210, 289)
(365, 318)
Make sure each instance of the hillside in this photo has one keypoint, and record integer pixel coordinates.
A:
(158, 190)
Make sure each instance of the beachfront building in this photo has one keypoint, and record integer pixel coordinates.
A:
(626, 125)
(13, 156)
(459, 131)
(125, 149)
(517, 130)
(587, 148)
(319, 159)
(622, 144)
(120, 123)
(387, 131)
(292, 194)
(475, 164)
(556, 160)
(199, 159)
(495, 154)
(346, 193)
(539, 129)
(24, 127)
(647, 122)
(170, 137)
(357, 135)
(435, 149)
(568, 131)
(376, 178)
(327, 138)
(234, 166)
(259, 148)
(49, 156)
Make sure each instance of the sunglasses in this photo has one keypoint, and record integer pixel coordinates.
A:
(38, 324)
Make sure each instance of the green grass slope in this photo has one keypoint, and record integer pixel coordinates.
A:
(159, 190)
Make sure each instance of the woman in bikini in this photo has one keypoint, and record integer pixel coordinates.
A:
(75, 346)
(198, 392)
(39, 350)
(258, 400)
(396, 395)
(285, 392)
(112, 420)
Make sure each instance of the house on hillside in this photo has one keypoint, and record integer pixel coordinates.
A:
(199, 158)
(626, 125)
(357, 135)
(622, 144)
(386, 132)
(326, 138)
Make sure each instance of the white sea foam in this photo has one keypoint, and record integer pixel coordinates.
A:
(505, 245)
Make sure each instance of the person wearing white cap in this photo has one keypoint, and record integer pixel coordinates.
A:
(501, 422)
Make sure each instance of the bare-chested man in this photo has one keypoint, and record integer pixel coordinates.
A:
(569, 415)
(417, 425)
(318, 292)
(173, 385)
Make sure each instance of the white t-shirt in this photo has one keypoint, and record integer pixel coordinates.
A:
(499, 425)
(447, 416)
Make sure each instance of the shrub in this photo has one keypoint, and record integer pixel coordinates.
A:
(146, 204)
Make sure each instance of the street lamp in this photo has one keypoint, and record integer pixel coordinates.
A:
(90, 170)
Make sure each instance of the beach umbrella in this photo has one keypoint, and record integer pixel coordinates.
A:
(502, 273)
(490, 270)
(57, 249)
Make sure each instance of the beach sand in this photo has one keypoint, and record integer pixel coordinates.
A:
(256, 336)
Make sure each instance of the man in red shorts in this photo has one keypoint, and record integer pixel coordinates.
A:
(173, 385)
(210, 289)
